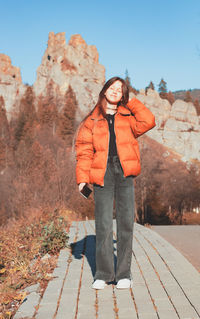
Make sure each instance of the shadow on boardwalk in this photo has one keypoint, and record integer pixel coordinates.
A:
(90, 252)
(165, 284)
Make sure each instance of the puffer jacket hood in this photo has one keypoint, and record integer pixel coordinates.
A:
(92, 142)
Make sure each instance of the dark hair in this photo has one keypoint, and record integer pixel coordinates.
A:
(101, 103)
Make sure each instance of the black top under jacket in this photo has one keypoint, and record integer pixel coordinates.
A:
(112, 144)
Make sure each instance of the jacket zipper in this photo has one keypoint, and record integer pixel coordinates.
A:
(116, 146)
(108, 150)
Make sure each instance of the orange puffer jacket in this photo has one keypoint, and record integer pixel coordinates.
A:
(92, 142)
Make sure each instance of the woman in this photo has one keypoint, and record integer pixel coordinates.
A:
(108, 157)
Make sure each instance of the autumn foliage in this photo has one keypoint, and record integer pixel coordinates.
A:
(37, 165)
(167, 187)
(36, 162)
(39, 195)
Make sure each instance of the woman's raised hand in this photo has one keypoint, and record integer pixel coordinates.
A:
(80, 186)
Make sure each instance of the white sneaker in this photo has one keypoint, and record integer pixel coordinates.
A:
(124, 284)
(99, 284)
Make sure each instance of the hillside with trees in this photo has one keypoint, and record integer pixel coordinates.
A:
(167, 188)
(36, 156)
(185, 95)
(37, 166)
(195, 94)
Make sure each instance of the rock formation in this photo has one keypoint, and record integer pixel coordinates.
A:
(11, 86)
(75, 63)
(177, 125)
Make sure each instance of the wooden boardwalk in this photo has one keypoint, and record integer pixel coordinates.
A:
(165, 284)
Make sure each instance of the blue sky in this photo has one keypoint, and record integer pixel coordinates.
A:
(151, 39)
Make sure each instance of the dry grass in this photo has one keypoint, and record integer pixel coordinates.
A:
(23, 244)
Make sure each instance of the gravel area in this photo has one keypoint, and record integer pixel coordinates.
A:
(185, 238)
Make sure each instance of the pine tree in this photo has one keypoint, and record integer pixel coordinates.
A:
(162, 88)
(4, 126)
(4, 135)
(170, 97)
(26, 118)
(188, 97)
(150, 86)
(67, 122)
(128, 82)
(47, 109)
(127, 79)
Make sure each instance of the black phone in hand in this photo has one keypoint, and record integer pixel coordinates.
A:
(86, 191)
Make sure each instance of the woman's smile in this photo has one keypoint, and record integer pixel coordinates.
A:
(114, 92)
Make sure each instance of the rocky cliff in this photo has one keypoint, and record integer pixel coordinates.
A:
(11, 86)
(76, 64)
(177, 125)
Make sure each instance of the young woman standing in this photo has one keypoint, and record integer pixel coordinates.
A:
(108, 157)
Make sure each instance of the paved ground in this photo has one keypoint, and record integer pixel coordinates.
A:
(186, 238)
(166, 285)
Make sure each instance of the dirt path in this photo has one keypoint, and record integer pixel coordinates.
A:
(185, 238)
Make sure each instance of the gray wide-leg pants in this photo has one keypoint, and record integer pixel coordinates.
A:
(121, 189)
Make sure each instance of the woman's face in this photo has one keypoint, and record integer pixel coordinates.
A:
(114, 92)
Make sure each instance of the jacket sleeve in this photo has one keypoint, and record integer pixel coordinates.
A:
(142, 120)
(84, 153)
